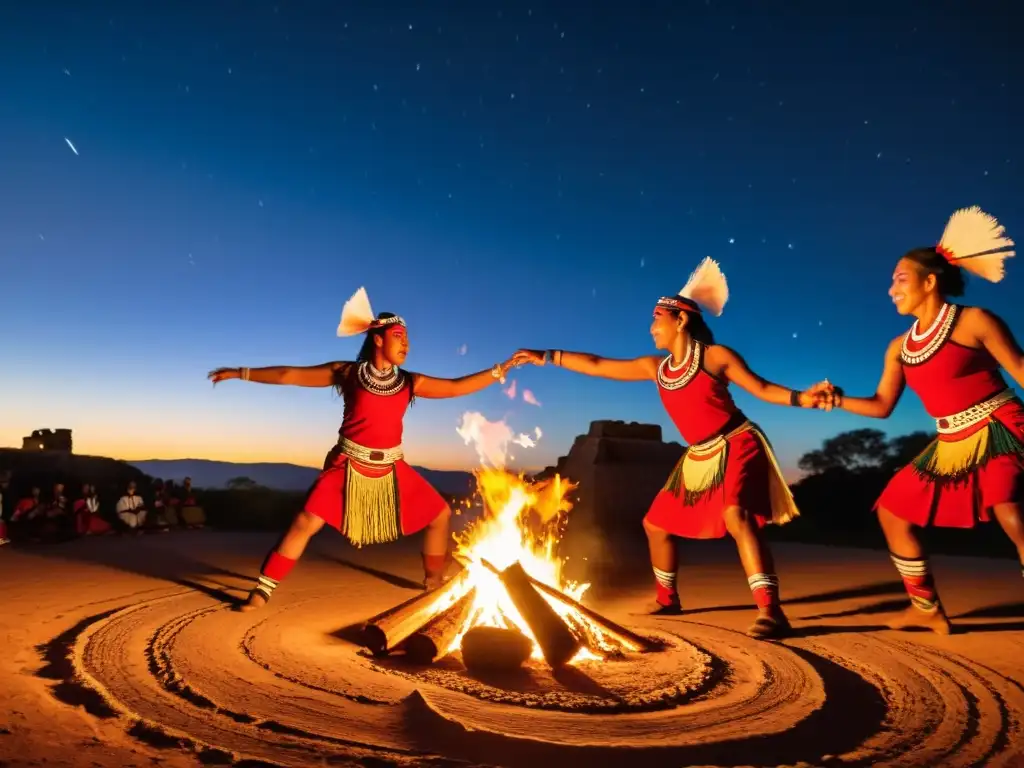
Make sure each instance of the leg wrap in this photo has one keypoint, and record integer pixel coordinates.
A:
(434, 565)
(765, 588)
(917, 580)
(275, 568)
(665, 585)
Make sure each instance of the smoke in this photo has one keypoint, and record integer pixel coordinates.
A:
(491, 439)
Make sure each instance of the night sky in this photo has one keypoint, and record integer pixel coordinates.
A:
(189, 187)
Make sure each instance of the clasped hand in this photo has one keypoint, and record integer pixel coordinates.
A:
(824, 395)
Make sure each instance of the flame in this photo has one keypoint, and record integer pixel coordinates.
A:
(521, 522)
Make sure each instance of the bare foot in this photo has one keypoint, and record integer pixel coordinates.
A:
(675, 608)
(915, 618)
(256, 601)
(430, 583)
(770, 625)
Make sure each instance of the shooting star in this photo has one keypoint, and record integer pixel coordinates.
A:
(71, 145)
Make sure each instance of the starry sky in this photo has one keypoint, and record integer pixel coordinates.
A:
(195, 185)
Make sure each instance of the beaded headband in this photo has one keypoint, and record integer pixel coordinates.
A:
(357, 316)
(705, 290)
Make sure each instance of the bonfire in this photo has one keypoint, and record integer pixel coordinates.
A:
(511, 576)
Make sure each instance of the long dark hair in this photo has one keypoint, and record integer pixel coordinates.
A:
(949, 278)
(696, 326)
(366, 351)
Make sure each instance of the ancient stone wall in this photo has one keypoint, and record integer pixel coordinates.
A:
(48, 440)
(619, 469)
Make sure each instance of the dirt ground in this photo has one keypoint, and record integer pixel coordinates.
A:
(124, 652)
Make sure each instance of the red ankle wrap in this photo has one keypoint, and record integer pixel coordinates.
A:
(277, 566)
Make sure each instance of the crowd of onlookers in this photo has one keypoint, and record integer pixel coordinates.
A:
(37, 517)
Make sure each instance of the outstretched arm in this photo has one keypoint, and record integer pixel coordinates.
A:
(728, 364)
(429, 387)
(997, 338)
(638, 369)
(324, 375)
(890, 387)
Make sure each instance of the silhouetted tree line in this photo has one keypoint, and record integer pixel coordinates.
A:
(844, 479)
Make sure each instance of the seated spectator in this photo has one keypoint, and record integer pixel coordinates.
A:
(192, 514)
(87, 514)
(131, 509)
(58, 519)
(172, 505)
(158, 520)
(5, 482)
(28, 517)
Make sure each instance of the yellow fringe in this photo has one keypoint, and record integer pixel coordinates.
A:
(701, 472)
(784, 506)
(371, 507)
(953, 459)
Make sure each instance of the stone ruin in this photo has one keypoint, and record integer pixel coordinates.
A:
(620, 467)
(48, 440)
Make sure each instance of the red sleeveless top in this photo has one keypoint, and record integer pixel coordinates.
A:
(373, 413)
(948, 377)
(698, 403)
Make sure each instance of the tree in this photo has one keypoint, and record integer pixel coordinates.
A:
(852, 451)
(242, 484)
(905, 448)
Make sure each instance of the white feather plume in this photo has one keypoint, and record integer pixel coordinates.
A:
(356, 315)
(707, 287)
(974, 240)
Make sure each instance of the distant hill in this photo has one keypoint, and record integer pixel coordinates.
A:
(29, 468)
(283, 477)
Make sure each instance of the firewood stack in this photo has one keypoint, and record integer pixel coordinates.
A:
(425, 626)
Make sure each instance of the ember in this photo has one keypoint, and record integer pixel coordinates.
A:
(512, 579)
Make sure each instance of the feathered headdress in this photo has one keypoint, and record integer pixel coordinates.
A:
(974, 240)
(357, 316)
(706, 290)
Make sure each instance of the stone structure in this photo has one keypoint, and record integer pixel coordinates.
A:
(48, 440)
(620, 468)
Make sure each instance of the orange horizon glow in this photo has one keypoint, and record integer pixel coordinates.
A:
(161, 450)
(158, 448)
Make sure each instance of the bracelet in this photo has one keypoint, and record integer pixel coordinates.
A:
(498, 373)
(794, 398)
(243, 374)
(556, 357)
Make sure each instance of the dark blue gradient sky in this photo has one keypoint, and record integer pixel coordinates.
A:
(502, 175)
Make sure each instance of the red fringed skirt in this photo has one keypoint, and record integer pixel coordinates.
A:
(739, 471)
(957, 479)
(373, 504)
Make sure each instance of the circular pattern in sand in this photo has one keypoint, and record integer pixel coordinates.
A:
(638, 682)
(290, 686)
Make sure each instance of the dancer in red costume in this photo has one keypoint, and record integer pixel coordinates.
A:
(974, 469)
(366, 490)
(728, 480)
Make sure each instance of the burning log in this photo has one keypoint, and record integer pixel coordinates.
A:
(435, 637)
(557, 642)
(387, 630)
(629, 639)
(495, 649)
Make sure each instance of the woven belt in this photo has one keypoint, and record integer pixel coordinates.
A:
(714, 443)
(370, 455)
(949, 425)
